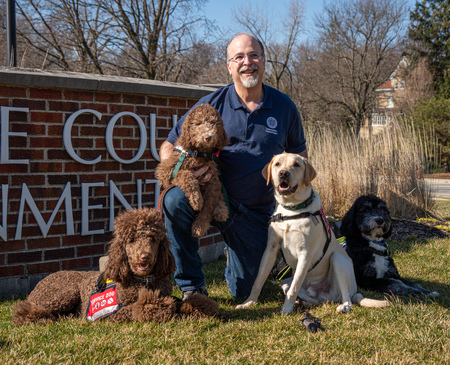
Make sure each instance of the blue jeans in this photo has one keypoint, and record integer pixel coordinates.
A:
(245, 235)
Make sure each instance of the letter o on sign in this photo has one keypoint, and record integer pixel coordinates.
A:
(109, 137)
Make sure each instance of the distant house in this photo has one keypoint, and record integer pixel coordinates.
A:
(384, 111)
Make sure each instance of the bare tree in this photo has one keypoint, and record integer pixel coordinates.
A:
(67, 34)
(140, 38)
(359, 46)
(151, 33)
(203, 64)
(278, 43)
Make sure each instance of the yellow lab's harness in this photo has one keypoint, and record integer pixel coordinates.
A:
(282, 218)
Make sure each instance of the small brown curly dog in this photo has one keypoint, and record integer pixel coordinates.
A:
(140, 262)
(202, 136)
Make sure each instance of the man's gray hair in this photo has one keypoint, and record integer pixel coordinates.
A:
(249, 35)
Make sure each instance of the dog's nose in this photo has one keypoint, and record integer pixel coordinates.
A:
(144, 256)
(379, 221)
(207, 138)
(283, 173)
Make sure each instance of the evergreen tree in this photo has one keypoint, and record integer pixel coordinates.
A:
(429, 35)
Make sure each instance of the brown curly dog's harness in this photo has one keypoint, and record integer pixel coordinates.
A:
(213, 156)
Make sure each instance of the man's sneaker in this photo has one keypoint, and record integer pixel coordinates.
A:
(187, 294)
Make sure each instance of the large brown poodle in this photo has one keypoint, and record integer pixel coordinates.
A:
(202, 136)
(140, 263)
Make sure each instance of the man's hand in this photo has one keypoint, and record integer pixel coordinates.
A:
(202, 174)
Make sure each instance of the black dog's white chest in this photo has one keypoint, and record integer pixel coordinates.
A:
(380, 265)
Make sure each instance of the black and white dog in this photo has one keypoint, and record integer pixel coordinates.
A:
(366, 226)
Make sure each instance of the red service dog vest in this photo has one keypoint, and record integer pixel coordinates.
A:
(103, 300)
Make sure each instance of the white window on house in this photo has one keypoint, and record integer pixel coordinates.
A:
(379, 119)
(396, 85)
(402, 84)
(390, 102)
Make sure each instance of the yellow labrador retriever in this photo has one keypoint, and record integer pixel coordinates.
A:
(322, 269)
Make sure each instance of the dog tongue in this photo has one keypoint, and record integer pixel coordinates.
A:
(283, 187)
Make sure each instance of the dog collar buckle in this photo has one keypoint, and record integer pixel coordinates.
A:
(146, 279)
(276, 218)
(193, 153)
(181, 150)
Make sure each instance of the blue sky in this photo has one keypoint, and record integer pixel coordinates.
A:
(221, 11)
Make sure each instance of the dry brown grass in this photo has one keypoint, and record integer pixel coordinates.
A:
(385, 165)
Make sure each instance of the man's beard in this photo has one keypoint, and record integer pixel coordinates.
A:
(250, 81)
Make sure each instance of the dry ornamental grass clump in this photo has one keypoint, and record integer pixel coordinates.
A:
(389, 165)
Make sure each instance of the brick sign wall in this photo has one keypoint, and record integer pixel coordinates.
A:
(75, 150)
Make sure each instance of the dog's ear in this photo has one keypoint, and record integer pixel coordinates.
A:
(165, 263)
(310, 172)
(348, 224)
(267, 172)
(117, 268)
(184, 139)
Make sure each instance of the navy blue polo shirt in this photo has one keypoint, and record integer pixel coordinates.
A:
(255, 137)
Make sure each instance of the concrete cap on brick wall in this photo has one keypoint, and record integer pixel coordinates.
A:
(93, 82)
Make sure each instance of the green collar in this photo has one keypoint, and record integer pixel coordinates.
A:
(213, 156)
(301, 205)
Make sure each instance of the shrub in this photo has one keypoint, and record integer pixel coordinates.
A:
(434, 114)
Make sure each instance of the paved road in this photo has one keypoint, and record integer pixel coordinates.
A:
(440, 187)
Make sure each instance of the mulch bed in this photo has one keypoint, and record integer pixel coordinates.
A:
(423, 229)
(403, 229)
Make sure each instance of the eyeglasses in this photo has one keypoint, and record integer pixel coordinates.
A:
(239, 58)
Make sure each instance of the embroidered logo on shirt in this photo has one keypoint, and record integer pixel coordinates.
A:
(272, 124)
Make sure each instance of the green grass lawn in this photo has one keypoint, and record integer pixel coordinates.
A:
(443, 208)
(410, 331)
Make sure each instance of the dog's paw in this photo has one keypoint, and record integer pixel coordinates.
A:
(151, 306)
(221, 213)
(197, 306)
(246, 304)
(344, 308)
(199, 228)
(287, 308)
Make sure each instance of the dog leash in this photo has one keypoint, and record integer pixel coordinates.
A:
(161, 198)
